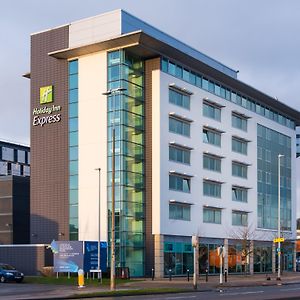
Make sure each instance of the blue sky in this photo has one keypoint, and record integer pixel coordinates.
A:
(259, 38)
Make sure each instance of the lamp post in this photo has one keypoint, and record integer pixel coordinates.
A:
(195, 245)
(99, 210)
(278, 234)
(113, 93)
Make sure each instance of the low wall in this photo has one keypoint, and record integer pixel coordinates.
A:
(29, 259)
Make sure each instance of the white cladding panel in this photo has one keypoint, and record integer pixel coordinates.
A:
(95, 29)
(92, 130)
(162, 136)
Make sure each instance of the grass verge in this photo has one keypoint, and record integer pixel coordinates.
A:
(64, 280)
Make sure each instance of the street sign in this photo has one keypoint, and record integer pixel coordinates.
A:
(278, 240)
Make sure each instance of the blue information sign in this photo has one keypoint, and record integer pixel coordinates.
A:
(91, 256)
(68, 256)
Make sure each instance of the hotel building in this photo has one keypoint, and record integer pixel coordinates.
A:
(196, 150)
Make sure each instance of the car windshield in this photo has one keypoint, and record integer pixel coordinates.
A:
(7, 267)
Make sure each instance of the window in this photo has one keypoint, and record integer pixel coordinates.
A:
(239, 170)
(212, 215)
(239, 194)
(179, 183)
(179, 127)
(239, 145)
(7, 153)
(21, 156)
(179, 154)
(239, 218)
(211, 137)
(211, 111)
(212, 189)
(239, 122)
(179, 99)
(211, 162)
(178, 211)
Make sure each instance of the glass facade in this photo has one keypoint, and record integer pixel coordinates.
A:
(179, 183)
(270, 144)
(126, 115)
(211, 162)
(224, 92)
(211, 137)
(239, 122)
(178, 258)
(239, 170)
(212, 189)
(211, 111)
(239, 145)
(212, 215)
(262, 258)
(73, 149)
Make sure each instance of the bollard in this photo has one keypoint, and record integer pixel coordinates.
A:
(153, 274)
(188, 274)
(170, 274)
(226, 275)
(80, 278)
(206, 275)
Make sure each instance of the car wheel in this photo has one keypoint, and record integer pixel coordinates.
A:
(2, 279)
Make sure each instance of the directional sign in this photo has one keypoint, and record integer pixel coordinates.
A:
(278, 240)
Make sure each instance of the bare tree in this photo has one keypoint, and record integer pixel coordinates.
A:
(243, 237)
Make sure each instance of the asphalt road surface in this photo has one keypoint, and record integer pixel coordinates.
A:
(257, 293)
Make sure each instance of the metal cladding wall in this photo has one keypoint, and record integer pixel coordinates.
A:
(29, 259)
(49, 143)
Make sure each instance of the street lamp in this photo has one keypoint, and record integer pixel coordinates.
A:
(113, 93)
(278, 235)
(99, 210)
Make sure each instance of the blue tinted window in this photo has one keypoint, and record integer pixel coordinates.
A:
(73, 67)
(73, 211)
(74, 182)
(114, 73)
(73, 138)
(73, 96)
(73, 110)
(73, 196)
(73, 167)
(164, 65)
(205, 84)
(178, 71)
(114, 58)
(73, 153)
(73, 81)
(73, 124)
(186, 75)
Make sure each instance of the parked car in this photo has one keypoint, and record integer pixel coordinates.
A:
(10, 273)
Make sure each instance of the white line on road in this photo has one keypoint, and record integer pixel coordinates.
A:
(243, 293)
(182, 297)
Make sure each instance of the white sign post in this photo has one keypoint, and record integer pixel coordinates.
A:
(195, 246)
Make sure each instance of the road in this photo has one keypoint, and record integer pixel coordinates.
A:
(254, 293)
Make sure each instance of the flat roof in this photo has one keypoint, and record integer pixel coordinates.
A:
(148, 46)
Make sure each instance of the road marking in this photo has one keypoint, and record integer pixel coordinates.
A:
(242, 293)
(182, 297)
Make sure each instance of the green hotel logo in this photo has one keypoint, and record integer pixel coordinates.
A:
(46, 94)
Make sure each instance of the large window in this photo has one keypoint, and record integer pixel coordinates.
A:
(7, 154)
(239, 218)
(179, 211)
(239, 194)
(239, 122)
(180, 99)
(212, 215)
(239, 145)
(211, 162)
(179, 126)
(179, 183)
(179, 154)
(211, 137)
(239, 169)
(211, 111)
(212, 189)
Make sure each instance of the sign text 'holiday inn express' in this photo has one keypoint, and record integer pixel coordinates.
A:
(46, 114)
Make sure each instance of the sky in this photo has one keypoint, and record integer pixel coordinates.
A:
(260, 38)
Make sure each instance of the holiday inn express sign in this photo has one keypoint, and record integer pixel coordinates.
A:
(46, 114)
